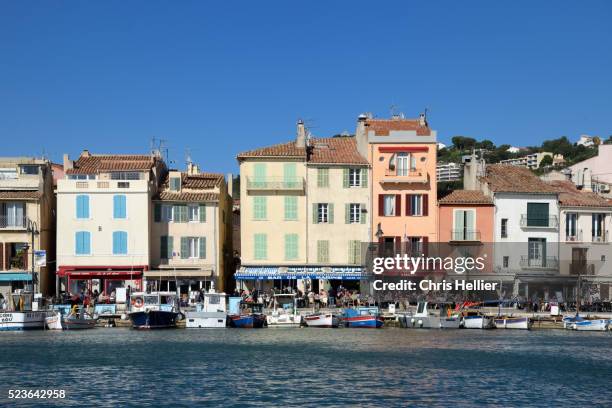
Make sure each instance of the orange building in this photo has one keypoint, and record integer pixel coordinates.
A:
(402, 153)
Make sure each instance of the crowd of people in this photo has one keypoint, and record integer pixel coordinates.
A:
(334, 297)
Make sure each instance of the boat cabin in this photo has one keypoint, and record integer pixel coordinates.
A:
(166, 301)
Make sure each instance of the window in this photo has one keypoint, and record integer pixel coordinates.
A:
(29, 169)
(505, 262)
(537, 215)
(322, 213)
(504, 228)
(166, 247)
(415, 205)
(291, 247)
(194, 213)
(322, 251)
(166, 213)
(119, 204)
(464, 225)
(354, 252)
(290, 208)
(82, 243)
(597, 227)
(354, 177)
(536, 251)
(8, 174)
(125, 175)
(82, 206)
(260, 210)
(402, 161)
(290, 175)
(323, 177)
(202, 212)
(571, 222)
(12, 214)
(175, 183)
(179, 213)
(261, 246)
(389, 209)
(415, 245)
(353, 213)
(193, 247)
(81, 177)
(119, 243)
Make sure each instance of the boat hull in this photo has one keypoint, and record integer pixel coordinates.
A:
(519, 323)
(205, 320)
(247, 321)
(326, 320)
(591, 325)
(429, 322)
(284, 320)
(59, 322)
(478, 322)
(153, 319)
(365, 322)
(34, 320)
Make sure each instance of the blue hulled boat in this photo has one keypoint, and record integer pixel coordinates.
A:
(362, 317)
(250, 316)
(153, 310)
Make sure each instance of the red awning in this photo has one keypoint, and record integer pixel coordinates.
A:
(396, 149)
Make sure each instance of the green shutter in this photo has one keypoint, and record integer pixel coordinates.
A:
(323, 177)
(362, 215)
(202, 213)
(260, 174)
(202, 242)
(170, 247)
(322, 251)
(347, 213)
(260, 210)
(261, 250)
(290, 247)
(345, 178)
(364, 177)
(289, 174)
(184, 248)
(330, 213)
(290, 208)
(315, 213)
(163, 247)
(157, 212)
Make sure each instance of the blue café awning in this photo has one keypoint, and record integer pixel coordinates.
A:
(15, 276)
(299, 272)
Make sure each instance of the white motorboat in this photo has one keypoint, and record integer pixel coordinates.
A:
(22, 317)
(478, 321)
(513, 322)
(322, 320)
(211, 314)
(285, 312)
(424, 318)
(77, 319)
(580, 323)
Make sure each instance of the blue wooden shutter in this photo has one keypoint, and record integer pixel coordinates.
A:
(82, 206)
(119, 206)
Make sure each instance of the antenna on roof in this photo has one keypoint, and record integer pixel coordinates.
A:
(159, 149)
(188, 156)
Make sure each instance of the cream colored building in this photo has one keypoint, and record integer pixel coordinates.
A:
(296, 219)
(191, 232)
(26, 214)
(103, 217)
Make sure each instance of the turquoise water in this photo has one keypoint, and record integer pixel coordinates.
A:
(312, 367)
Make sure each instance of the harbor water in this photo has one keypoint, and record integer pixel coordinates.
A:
(312, 367)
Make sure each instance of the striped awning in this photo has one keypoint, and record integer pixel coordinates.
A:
(15, 276)
(300, 272)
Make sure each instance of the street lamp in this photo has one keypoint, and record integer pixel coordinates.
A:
(33, 230)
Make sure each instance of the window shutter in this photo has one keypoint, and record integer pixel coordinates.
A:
(163, 247)
(381, 205)
(362, 214)
(202, 242)
(345, 178)
(184, 248)
(202, 213)
(2, 256)
(398, 245)
(347, 213)
(469, 221)
(115, 242)
(425, 246)
(330, 213)
(184, 214)
(364, 177)
(170, 249)
(408, 204)
(157, 212)
(398, 205)
(459, 224)
(86, 243)
(315, 214)
(25, 259)
(425, 198)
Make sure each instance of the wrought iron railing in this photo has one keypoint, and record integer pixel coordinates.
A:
(548, 262)
(276, 183)
(465, 235)
(539, 222)
(13, 222)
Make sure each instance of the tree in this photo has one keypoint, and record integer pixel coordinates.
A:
(596, 140)
(608, 140)
(463, 143)
(485, 144)
(546, 161)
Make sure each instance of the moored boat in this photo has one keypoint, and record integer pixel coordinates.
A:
(513, 322)
(250, 316)
(22, 317)
(476, 320)
(211, 314)
(425, 319)
(328, 320)
(285, 312)
(580, 323)
(153, 310)
(78, 319)
(362, 317)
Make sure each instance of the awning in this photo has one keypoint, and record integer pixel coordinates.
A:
(127, 275)
(299, 272)
(171, 273)
(15, 276)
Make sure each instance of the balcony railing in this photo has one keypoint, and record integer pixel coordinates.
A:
(549, 262)
(574, 237)
(276, 183)
(582, 269)
(601, 238)
(539, 222)
(396, 175)
(465, 235)
(11, 222)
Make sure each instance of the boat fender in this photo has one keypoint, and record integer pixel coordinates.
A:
(124, 317)
(420, 323)
(412, 321)
(180, 317)
(137, 302)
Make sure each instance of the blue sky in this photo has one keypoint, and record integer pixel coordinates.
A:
(220, 78)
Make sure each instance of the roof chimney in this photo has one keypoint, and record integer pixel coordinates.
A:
(361, 136)
(67, 162)
(85, 153)
(300, 140)
(422, 120)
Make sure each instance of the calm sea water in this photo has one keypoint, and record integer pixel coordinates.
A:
(313, 367)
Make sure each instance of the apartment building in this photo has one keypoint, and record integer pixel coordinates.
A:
(533, 160)
(27, 224)
(104, 220)
(595, 174)
(304, 212)
(402, 153)
(448, 172)
(191, 232)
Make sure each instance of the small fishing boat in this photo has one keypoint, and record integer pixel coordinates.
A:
(476, 320)
(155, 310)
(328, 320)
(362, 317)
(22, 317)
(285, 311)
(250, 316)
(423, 318)
(580, 323)
(513, 322)
(77, 319)
(212, 313)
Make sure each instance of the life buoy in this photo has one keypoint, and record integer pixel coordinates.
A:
(137, 302)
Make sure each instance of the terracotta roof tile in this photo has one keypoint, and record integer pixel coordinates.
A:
(382, 127)
(514, 179)
(19, 195)
(466, 197)
(335, 150)
(278, 150)
(94, 164)
(569, 195)
(191, 197)
(201, 181)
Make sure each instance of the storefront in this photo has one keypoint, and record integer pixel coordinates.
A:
(104, 281)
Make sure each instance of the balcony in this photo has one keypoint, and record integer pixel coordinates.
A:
(397, 176)
(574, 237)
(539, 222)
(275, 184)
(13, 223)
(549, 262)
(601, 238)
(465, 236)
(580, 269)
